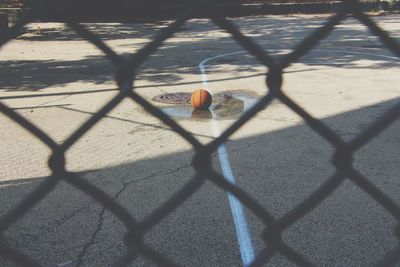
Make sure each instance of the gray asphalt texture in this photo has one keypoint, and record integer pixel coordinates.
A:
(57, 80)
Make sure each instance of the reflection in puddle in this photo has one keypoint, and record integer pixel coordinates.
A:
(226, 105)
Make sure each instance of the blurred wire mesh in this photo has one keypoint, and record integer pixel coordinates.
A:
(135, 230)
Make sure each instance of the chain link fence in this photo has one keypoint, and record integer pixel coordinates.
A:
(272, 235)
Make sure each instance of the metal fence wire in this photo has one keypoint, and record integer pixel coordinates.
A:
(272, 235)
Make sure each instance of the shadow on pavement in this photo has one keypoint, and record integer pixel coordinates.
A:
(171, 61)
(279, 169)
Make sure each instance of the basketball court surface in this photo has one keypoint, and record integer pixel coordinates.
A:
(57, 81)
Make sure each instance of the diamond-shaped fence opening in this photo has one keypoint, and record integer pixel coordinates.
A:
(342, 159)
(364, 71)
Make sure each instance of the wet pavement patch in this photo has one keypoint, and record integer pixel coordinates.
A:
(226, 105)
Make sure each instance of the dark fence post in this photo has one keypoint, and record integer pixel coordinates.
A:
(3, 24)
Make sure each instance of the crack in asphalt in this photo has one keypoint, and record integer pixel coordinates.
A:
(49, 102)
(92, 239)
(101, 218)
(63, 220)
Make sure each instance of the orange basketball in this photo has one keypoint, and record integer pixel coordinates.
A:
(201, 99)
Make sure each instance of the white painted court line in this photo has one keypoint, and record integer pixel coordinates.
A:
(242, 229)
(239, 219)
(359, 53)
(395, 60)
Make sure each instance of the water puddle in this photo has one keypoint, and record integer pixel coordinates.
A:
(226, 105)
